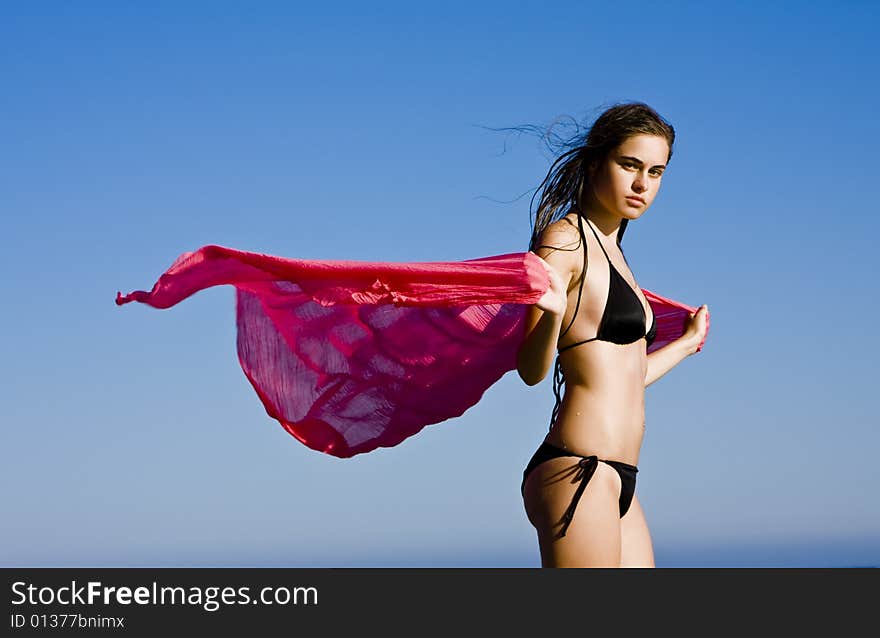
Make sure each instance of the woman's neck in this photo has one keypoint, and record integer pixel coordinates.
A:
(607, 225)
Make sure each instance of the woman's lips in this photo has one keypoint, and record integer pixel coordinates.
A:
(635, 200)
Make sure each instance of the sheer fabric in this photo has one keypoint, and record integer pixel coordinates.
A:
(350, 356)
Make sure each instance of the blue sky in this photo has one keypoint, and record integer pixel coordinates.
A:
(134, 133)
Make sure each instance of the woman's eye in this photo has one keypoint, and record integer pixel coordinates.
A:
(656, 173)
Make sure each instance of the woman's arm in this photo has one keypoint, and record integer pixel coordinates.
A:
(664, 359)
(536, 354)
(544, 319)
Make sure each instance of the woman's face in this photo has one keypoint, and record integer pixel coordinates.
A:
(633, 170)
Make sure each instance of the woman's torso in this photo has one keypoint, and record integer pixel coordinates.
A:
(603, 409)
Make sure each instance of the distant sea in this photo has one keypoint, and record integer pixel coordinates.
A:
(864, 553)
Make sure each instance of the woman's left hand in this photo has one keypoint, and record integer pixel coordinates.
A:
(696, 328)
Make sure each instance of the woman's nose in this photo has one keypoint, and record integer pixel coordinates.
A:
(639, 182)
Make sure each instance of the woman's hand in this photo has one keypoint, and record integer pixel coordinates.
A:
(696, 327)
(555, 299)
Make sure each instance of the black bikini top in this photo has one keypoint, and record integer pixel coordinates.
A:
(623, 320)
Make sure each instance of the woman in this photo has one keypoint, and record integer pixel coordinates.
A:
(579, 487)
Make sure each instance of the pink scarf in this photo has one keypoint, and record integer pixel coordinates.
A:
(350, 355)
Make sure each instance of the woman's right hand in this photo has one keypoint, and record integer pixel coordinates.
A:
(555, 299)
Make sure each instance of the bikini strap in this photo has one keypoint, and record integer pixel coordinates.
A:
(600, 243)
(583, 278)
(577, 343)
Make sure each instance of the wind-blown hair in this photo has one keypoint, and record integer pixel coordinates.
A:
(568, 177)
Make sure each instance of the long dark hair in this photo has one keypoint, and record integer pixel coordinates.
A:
(569, 175)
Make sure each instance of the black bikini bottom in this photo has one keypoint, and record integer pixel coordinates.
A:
(586, 467)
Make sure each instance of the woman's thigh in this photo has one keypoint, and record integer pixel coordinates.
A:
(593, 538)
(636, 549)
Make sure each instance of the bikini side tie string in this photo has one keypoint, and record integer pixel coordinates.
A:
(586, 467)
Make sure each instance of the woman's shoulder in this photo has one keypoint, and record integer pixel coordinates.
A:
(561, 234)
(559, 245)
